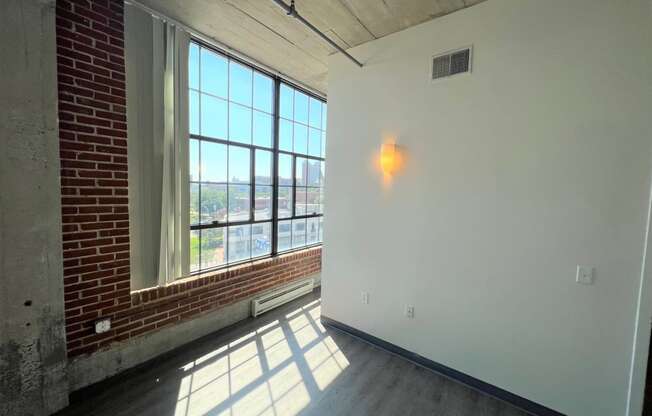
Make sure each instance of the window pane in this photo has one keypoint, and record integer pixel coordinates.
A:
(314, 142)
(300, 138)
(213, 73)
(193, 168)
(194, 250)
(321, 228)
(315, 113)
(300, 107)
(314, 172)
(301, 171)
(239, 165)
(239, 242)
(263, 167)
(213, 162)
(285, 169)
(286, 102)
(321, 201)
(262, 129)
(213, 117)
(263, 203)
(298, 233)
(213, 203)
(193, 66)
(240, 83)
(194, 203)
(285, 135)
(239, 124)
(263, 92)
(312, 201)
(239, 203)
(261, 239)
(284, 201)
(193, 112)
(284, 235)
(300, 203)
(220, 175)
(323, 144)
(212, 247)
(312, 230)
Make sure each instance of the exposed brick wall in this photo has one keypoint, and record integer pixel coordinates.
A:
(151, 309)
(94, 187)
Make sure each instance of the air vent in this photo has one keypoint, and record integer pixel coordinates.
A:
(451, 63)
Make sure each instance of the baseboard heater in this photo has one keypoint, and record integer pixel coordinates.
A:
(280, 296)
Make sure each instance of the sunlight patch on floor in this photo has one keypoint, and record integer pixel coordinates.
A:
(277, 354)
(275, 370)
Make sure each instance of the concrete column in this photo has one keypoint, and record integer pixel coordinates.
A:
(32, 341)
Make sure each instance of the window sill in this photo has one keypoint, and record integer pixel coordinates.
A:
(216, 275)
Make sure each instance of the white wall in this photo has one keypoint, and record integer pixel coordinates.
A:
(538, 161)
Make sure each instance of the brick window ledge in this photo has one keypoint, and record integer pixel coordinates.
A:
(276, 266)
(152, 309)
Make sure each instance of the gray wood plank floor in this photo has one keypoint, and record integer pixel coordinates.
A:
(286, 363)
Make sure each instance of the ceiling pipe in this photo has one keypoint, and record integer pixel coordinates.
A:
(292, 11)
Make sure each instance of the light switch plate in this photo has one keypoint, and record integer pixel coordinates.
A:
(365, 298)
(584, 275)
(409, 311)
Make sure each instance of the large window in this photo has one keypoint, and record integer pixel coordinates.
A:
(256, 162)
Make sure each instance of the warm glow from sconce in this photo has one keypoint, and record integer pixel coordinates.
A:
(391, 159)
(388, 158)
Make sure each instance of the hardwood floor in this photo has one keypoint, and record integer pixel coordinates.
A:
(283, 363)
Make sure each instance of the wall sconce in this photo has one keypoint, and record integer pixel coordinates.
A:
(391, 159)
(388, 158)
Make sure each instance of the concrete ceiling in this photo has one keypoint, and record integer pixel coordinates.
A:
(261, 30)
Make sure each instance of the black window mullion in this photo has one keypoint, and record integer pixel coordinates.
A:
(252, 176)
(275, 181)
(199, 156)
(252, 185)
(294, 186)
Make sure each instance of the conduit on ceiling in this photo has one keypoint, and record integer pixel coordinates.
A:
(292, 11)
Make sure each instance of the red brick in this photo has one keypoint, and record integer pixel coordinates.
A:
(93, 151)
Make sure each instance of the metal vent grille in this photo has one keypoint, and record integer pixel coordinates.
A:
(441, 66)
(460, 62)
(451, 63)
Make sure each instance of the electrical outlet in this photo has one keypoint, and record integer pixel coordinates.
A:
(585, 275)
(365, 298)
(103, 325)
(409, 311)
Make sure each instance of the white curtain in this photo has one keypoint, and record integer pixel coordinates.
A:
(156, 60)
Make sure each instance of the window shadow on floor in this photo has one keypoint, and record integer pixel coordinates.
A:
(284, 363)
(276, 369)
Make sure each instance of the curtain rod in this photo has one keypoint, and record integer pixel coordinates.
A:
(226, 49)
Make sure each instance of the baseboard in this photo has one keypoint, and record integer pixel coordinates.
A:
(474, 383)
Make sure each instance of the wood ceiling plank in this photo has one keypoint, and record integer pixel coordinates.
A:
(231, 27)
(267, 13)
(470, 3)
(334, 16)
(375, 15)
(261, 30)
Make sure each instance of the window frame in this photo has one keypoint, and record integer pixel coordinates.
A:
(252, 148)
